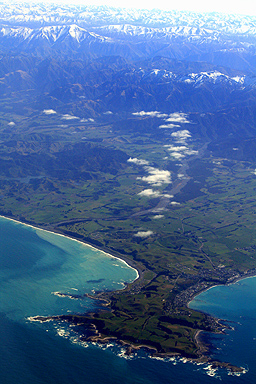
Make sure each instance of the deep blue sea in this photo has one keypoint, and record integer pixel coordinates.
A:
(34, 264)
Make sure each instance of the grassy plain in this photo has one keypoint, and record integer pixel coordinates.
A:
(74, 178)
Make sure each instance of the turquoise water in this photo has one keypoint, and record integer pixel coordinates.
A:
(35, 263)
(236, 303)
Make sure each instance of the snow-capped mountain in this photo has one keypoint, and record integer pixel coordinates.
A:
(97, 59)
(56, 37)
(45, 13)
(196, 79)
(133, 34)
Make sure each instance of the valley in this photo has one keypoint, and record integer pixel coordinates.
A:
(181, 215)
(139, 151)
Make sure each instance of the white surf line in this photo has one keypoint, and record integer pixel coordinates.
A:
(78, 241)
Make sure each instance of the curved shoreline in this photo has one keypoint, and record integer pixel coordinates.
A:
(124, 259)
(202, 349)
(230, 282)
(131, 348)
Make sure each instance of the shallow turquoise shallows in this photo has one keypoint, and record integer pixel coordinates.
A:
(35, 264)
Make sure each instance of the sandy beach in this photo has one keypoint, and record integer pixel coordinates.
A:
(124, 259)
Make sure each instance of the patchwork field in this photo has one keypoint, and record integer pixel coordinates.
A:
(169, 204)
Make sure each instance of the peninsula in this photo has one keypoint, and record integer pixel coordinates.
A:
(140, 141)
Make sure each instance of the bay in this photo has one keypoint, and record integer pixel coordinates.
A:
(236, 304)
(35, 263)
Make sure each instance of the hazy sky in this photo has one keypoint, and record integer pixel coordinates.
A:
(227, 6)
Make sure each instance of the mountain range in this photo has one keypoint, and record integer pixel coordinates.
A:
(89, 60)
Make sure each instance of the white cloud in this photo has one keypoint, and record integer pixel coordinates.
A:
(151, 114)
(144, 233)
(168, 195)
(178, 117)
(69, 117)
(49, 111)
(175, 148)
(175, 203)
(177, 155)
(158, 217)
(156, 177)
(108, 113)
(181, 136)
(11, 124)
(180, 151)
(138, 161)
(169, 126)
(191, 152)
(184, 134)
(156, 210)
(86, 120)
(151, 193)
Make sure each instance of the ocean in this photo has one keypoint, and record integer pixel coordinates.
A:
(35, 264)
